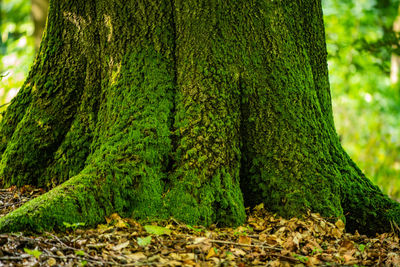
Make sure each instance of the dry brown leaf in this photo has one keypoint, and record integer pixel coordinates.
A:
(238, 252)
(340, 225)
(291, 243)
(121, 246)
(274, 263)
(262, 237)
(188, 256)
(313, 261)
(259, 207)
(112, 217)
(244, 240)
(174, 263)
(189, 262)
(121, 224)
(336, 233)
(326, 257)
(272, 240)
(393, 259)
(136, 256)
(199, 240)
(175, 256)
(211, 253)
(349, 259)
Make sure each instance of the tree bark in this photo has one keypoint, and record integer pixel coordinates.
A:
(190, 109)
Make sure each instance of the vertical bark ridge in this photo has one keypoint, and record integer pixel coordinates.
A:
(174, 138)
(55, 92)
(286, 152)
(70, 157)
(312, 38)
(206, 179)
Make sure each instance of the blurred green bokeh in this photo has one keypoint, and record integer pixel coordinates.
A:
(366, 106)
(16, 46)
(360, 43)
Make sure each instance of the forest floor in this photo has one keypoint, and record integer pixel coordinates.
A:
(265, 240)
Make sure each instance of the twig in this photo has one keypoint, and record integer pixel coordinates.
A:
(100, 262)
(257, 246)
(61, 242)
(14, 204)
(75, 249)
(5, 103)
(243, 245)
(68, 247)
(13, 258)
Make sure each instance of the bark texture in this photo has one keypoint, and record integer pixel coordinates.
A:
(191, 109)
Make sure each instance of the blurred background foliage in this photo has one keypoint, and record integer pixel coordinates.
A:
(366, 103)
(361, 47)
(16, 46)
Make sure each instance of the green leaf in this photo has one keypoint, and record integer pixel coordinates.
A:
(73, 225)
(194, 228)
(79, 252)
(67, 225)
(144, 241)
(157, 230)
(301, 258)
(35, 253)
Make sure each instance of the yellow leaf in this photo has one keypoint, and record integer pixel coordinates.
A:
(259, 206)
(211, 253)
(340, 225)
(51, 261)
(121, 224)
(244, 240)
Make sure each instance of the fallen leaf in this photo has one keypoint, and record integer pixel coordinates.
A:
(136, 256)
(121, 246)
(199, 240)
(211, 253)
(35, 253)
(51, 261)
(157, 230)
(340, 225)
(244, 240)
(144, 241)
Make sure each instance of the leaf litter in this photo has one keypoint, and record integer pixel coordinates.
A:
(264, 240)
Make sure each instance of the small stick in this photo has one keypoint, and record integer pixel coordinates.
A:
(10, 258)
(243, 245)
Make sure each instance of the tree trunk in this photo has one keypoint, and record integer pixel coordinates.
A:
(189, 109)
(39, 15)
(395, 59)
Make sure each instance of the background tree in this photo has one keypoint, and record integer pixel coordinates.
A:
(183, 109)
(39, 15)
(16, 50)
(361, 42)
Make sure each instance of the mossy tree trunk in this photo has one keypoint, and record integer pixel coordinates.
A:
(191, 109)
